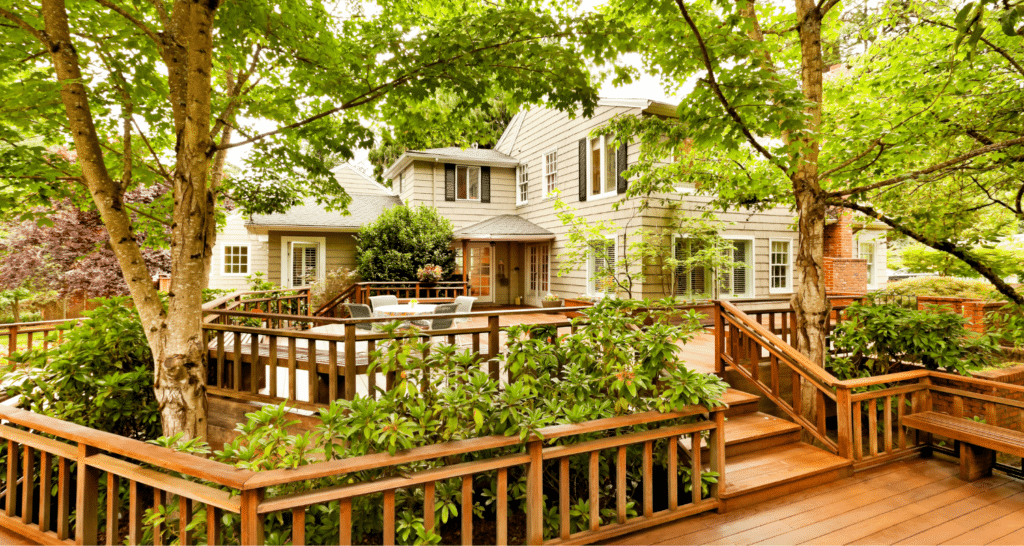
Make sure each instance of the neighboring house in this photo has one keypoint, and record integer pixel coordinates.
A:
(508, 237)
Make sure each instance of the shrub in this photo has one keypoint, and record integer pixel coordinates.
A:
(31, 316)
(100, 377)
(1008, 324)
(879, 339)
(941, 286)
(919, 258)
(401, 241)
(334, 282)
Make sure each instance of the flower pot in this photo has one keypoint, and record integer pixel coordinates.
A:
(547, 303)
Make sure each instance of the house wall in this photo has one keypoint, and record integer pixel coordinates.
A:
(340, 252)
(428, 182)
(235, 233)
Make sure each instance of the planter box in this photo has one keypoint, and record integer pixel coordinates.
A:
(549, 304)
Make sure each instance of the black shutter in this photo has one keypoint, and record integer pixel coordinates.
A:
(621, 157)
(449, 182)
(583, 169)
(485, 184)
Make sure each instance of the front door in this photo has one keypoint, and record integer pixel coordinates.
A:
(481, 281)
(537, 271)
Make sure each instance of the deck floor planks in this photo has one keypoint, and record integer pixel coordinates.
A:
(906, 514)
(761, 514)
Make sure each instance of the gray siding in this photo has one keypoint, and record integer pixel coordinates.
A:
(341, 251)
(235, 233)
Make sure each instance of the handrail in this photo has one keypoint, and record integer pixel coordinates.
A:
(330, 305)
(37, 323)
(332, 320)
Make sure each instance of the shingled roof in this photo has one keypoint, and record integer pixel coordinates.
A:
(504, 227)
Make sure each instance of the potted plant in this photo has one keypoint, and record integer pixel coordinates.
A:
(430, 274)
(551, 300)
(412, 302)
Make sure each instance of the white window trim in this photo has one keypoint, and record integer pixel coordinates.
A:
(590, 268)
(479, 187)
(524, 168)
(286, 257)
(544, 175)
(751, 271)
(540, 247)
(590, 170)
(873, 276)
(248, 260)
(789, 268)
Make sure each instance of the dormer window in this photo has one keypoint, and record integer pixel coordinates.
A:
(467, 183)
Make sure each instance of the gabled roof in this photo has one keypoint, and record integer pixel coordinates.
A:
(504, 227)
(369, 200)
(452, 154)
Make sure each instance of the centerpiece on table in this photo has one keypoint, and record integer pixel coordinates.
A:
(412, 302)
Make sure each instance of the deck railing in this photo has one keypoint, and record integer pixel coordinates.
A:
(23, 336)
(361, 292)
(55, 469)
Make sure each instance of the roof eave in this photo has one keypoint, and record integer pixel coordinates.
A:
(514, 238)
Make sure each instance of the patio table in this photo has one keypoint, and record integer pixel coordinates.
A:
(403, 310)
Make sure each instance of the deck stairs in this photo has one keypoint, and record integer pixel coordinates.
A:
(764, 456)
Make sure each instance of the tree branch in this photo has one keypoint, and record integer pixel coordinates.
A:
(1013, 62)
(163, 170)
(717, 90)
(147, 215)
(944, 246)
(39, 34)
(852, 160)
(133, 20)
(938, 166)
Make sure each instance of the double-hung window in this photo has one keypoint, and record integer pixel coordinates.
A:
(522, 184)
(735, 281)
(550, 172)
(601, 167)
(602, 266)
(236, 260)
(780, 269)
(867, 252)
(467, 183)
(691, 280)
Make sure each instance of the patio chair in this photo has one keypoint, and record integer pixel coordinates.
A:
(376, 302)
(359, 310)
(465, 304)
(443, 323)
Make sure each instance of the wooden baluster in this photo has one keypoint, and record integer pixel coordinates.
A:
(873, 426)
(502, 511)
(255, 366)
(350, 361)
(252, 521)
(292, 365)
(428, 506)
(12, 478)
(299, 526)
(272, 374)
(774, 363)
(620, 484)
(493, 325)
(754, 353)
(371, 377)
(819, 411)
(901, 404)
(332, 364)
(184, 519)
(594, 482)
(236, 364)
(476, 344)
(843, 425)
(719, 337)
(45, 487)
(858, 434)
(64, 498)
(221, 374)
(312, 379)
(991, 417)
(888, 424)
(771, 322)
(958, 406)
(135, 511)
(673, 473)
(648, 474)
(12, 340)
(696, 467)
(467, 510)
(563, 498)
(389, 516)
(535, 493)
(28, 339)
(28, 484)
(213, 534)
(345, 521)
(113, 509)
(159, 498)
(797, 402)
(716, 447)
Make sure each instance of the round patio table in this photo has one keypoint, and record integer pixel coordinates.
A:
(403, 310)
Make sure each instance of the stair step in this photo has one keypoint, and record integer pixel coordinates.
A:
(754, 431)
(768, 473)
(740, 402)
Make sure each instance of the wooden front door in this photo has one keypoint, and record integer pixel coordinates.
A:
(481, 272)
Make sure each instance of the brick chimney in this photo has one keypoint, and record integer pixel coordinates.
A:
(845, 272)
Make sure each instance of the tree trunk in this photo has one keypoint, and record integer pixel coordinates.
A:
(810, 302)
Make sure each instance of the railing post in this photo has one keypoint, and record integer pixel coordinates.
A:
(87, 503)
(493, 326)
(252, 520)
(716, 456)
(844, 422)
(350, 361)
(719, 338)
(12, 341)
(535, 494)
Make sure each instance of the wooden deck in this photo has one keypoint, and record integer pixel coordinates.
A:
(920, 501)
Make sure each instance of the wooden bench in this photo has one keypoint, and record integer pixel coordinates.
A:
(978, 441)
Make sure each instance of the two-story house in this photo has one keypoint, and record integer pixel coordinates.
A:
(508, 237)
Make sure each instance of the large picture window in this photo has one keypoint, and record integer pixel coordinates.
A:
(236, 260)
(467, 183)
(691, 282)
